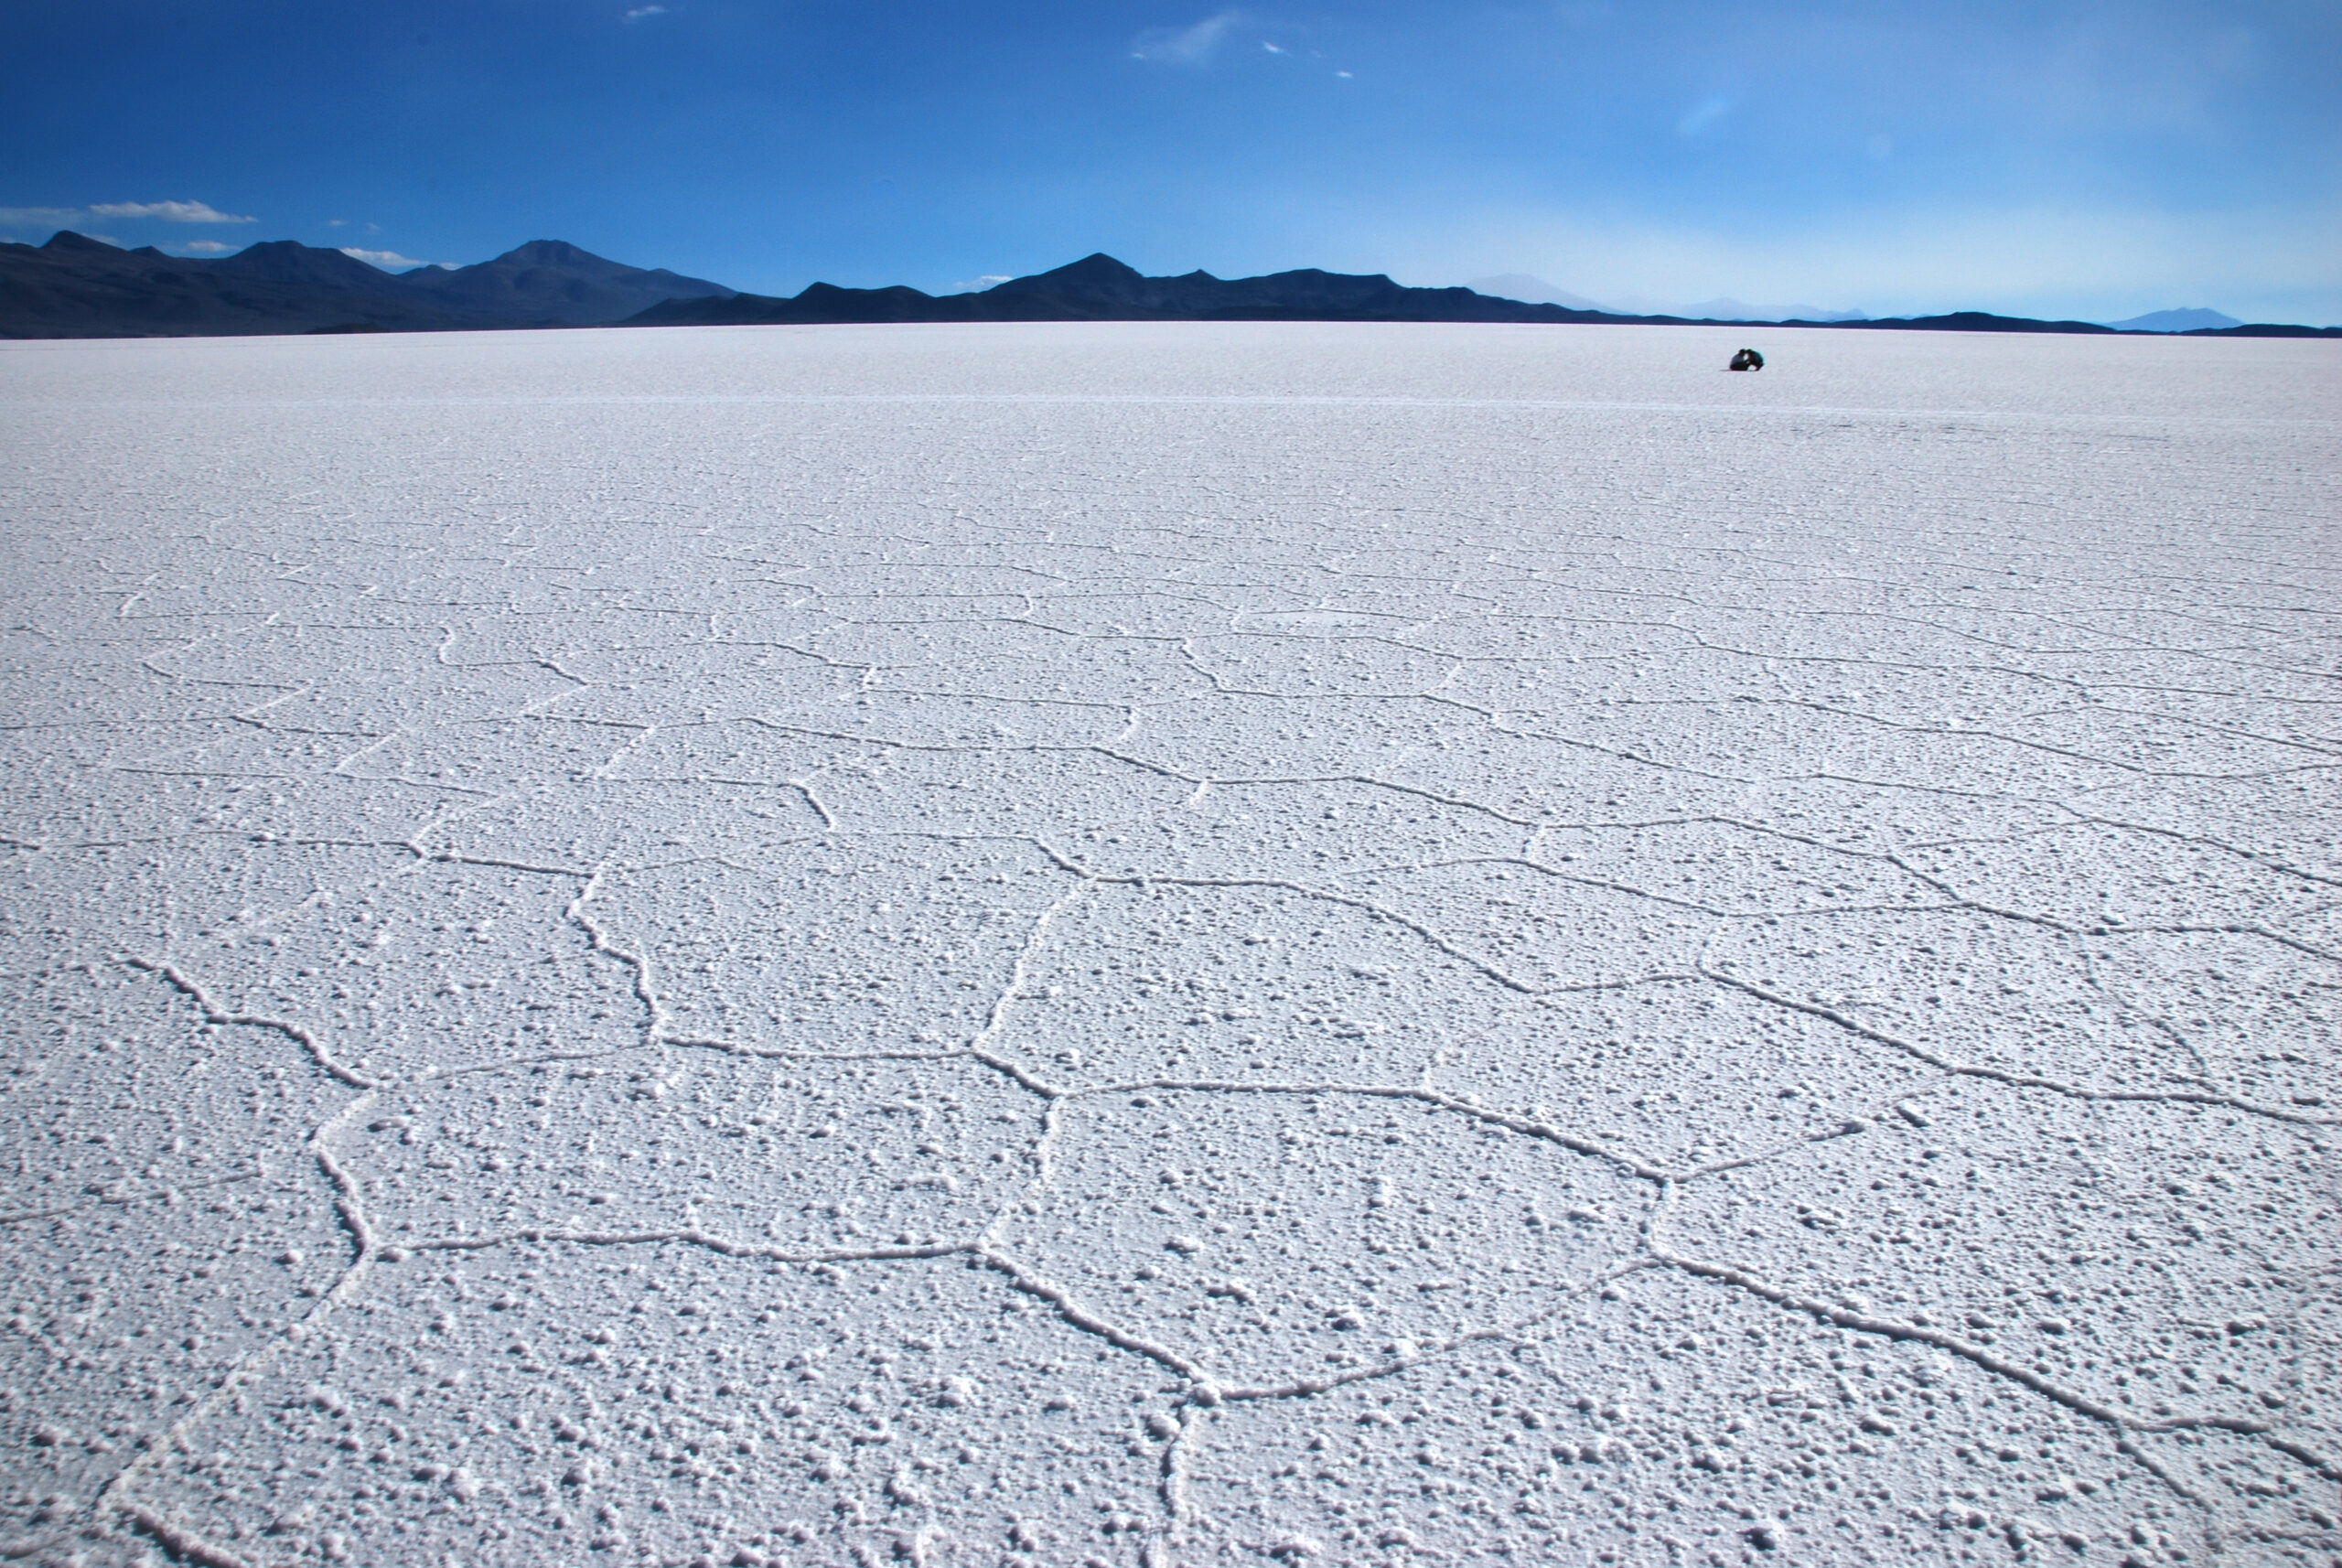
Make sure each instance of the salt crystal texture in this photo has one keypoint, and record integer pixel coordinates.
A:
(1170, 943)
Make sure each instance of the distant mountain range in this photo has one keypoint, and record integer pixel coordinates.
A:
(78, 287)
(1100, 288)
(1537, 291)
(2197, 319)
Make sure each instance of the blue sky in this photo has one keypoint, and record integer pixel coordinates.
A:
(2088, 160)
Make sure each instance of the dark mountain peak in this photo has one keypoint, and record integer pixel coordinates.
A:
(563, 255)
(275, 255)
(1095, 273)
(67, 240)
(825, 291)
(552, 283)
(291, 262)
(1320, 276)
(1097, 267)
(555, 254)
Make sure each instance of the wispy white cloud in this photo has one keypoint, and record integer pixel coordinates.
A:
(80, 217)
(1706, 114)
(977, 286)
(41, 217)
(170, 211)
(388, 260)
(640, 12)
(1185, 45)
(208, 247)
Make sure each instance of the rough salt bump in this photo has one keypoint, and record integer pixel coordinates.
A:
(1169, 944)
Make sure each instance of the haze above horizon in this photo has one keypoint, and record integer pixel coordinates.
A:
(2065, 161)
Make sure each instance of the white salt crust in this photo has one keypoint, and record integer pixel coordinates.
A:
(1146, 944)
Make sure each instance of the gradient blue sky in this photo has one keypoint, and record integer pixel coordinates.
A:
(2087, 160)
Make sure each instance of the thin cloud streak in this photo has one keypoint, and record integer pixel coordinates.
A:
(1185, 45)
(80, 216)
(1706, 115)
(170, 211)
(41, 217)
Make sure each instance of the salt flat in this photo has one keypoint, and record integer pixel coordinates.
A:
(1171, 943)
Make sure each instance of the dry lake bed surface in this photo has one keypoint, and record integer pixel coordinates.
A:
(1144, 944)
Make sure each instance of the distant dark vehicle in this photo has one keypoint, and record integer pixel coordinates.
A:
(1747, 360)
